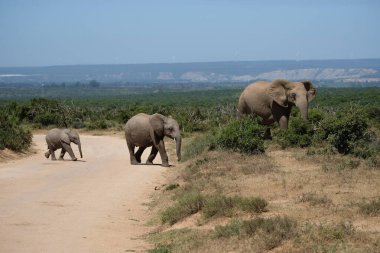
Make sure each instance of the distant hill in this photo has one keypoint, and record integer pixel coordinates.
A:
(359, 71)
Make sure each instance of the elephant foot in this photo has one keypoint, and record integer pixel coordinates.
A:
(47, 154)
(165, 165)
(135, 163)
(61, 158)
(74, 159)
(149, 163)
(54, 159)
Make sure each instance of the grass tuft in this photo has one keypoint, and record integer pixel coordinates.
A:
(315, 200)
(197, 146)
(271, 231)
(160, 249)
(372, 208)
(191, 202)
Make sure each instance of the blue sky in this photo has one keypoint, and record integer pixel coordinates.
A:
(52, 32)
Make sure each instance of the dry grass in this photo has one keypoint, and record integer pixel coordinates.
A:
(327, 205)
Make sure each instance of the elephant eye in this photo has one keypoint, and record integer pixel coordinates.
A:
(293, 95)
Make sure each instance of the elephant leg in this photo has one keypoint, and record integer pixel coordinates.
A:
(164, 156)
(268, 134)
(139, 153)
(268, 121)
(51, 150)
(67, 148)
(283, 122)
(47, 153)
(152, 155)
(132, 157)
(63, 152)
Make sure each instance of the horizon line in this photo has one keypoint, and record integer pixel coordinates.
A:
(190, 62)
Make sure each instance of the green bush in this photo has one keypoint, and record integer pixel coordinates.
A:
(46, 112)
(253, 204)
(97, 124)
(12, 135)
(300, 133)
(244, 135)
(348, 132)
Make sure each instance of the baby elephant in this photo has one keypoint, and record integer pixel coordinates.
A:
(61, 138)
(144, 130)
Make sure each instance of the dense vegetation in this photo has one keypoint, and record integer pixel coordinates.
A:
(12, 135)
(199, 110)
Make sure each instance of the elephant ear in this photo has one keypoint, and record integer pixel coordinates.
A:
(277, 91)
(157, 122)
(311, 90)
(65, 137)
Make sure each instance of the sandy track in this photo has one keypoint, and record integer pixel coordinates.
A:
(92, 205)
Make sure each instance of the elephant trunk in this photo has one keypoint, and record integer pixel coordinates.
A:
(80, 149)
(178, 146)
(303, 106)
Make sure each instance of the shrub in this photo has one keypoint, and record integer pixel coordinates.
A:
(12, 134)
(300, 133)
(253, 204)
(97, 124)
(46, 112)
(347, 132)
(243, 135)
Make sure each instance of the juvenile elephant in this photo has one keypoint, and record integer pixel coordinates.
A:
(143, 130)
(61, 138)
(273, 101)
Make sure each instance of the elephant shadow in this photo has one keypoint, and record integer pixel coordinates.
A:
(155, 164)
(82, 161)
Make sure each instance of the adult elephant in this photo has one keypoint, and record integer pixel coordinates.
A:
(61, 139)
(273, 101)
(143, 130)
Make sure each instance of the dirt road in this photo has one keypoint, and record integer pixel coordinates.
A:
(92, 205)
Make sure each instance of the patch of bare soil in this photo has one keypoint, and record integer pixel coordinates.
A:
(97, 204)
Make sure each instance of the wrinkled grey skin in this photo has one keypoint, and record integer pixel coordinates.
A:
(61, 139)
(143, 130)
